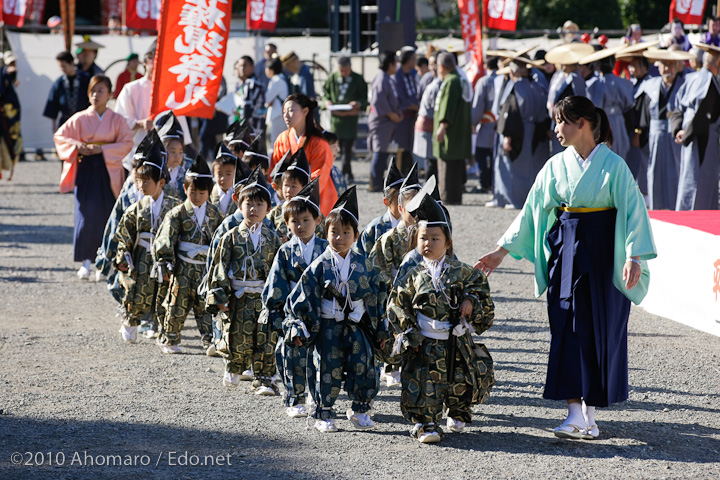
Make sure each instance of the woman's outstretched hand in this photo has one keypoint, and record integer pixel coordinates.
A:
(490, 261)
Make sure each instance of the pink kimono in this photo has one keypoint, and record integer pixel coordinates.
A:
(112, 132)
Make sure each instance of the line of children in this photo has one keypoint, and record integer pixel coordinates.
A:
(316, 311)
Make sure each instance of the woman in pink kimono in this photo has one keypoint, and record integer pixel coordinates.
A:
(92, 144)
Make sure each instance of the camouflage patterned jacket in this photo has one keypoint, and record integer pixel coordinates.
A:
(179, 230)
(238, 266)
(372, 232)
(389, 251)
(418, 295)
(137, 230)
(215, 200)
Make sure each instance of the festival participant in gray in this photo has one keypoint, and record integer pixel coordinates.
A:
(699, 105)
(658, 97)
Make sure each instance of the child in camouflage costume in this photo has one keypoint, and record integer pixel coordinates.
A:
(336, 309)
(226, 170)
(237, 277)
(135, 234)
(181, 248)
(388, 220)
(440, 305)
(302, 215)
(388, 252)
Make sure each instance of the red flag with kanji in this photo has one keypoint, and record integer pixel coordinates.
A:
(13, 12)
(689, 11)
(501, 14)
(262, 14)
(472, 36)
(190, 56)
(144, 14)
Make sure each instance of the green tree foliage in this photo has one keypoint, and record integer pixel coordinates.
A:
(588, 14)
(651, 15)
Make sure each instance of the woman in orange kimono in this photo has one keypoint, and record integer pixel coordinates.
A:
(92, 145)
(303, 132)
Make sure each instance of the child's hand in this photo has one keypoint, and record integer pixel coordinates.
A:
(223, 308)
(122, 267)
(166, 277)
(382, 343)
(466, 308)
(297, 341)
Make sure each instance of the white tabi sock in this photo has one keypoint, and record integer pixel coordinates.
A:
(575, 415)
(86, 264)
(588, 413)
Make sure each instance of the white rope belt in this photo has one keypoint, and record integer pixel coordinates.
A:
(431, 328)
(188, 251)
(332, 309)
(145, 239)
(242, 287)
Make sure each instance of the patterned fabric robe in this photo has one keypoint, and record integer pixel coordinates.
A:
(372, 232)
(180, 225)
(215, 200)
(135, 233)
(277, 219)
(339, 346)
(425, 383)
(175, 186)
(292, 360)
(244, 342)
(389, 251)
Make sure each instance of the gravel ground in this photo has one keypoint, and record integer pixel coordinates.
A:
(77, 403)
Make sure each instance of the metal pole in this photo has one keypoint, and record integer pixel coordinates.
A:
(355, 26)
(335, 27)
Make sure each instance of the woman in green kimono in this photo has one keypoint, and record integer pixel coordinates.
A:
(586, 229)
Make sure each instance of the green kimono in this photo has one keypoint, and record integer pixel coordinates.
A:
(215, 200)
(450, 107)
(389, 251)
(134, 236)
(607, 182)
(342, 91)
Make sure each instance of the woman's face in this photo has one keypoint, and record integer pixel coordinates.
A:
(99, 95)
(294, 115)
(568, 133)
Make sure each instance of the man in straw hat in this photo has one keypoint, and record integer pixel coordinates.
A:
(566, 81)
(612, 94)
(520, 153)
(656, 98)
(86, 54)
(695, 125)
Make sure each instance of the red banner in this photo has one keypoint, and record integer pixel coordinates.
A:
(190, 56)
(472, 36)
(145, 14)
(501, 14)
(262, 14)
(110, 8)
(689, 11)
(13, 12)
(35, 12)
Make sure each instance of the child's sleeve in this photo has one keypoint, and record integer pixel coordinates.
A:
(219, 284)
(477, 289)
(401, 314)
(277, 290)
(167, 237)
(302, 307)
(125, 235)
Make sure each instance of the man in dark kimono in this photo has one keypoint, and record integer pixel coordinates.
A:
(86, 54)
(68, 94)
(452, 122)
(406, 82)
(349, 89)
(696, 127)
